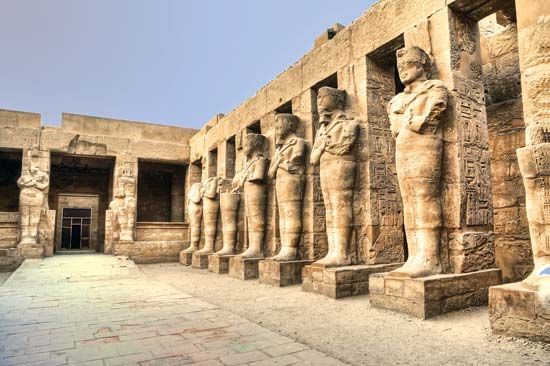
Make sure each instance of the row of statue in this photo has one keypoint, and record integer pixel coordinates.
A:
(415, 121)
(415, 118)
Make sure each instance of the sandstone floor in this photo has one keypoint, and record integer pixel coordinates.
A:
(102, 310)
(349, 329)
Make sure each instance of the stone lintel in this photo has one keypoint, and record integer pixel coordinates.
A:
(281, 274)
(200, 260)
(430, 296)
(186, 258)
(338, 282)
(244, 268)
(517, 311)
(219, 263)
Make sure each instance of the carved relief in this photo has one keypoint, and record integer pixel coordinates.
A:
(415, 117)
(287, 168)
(334, 152)
(252, 181)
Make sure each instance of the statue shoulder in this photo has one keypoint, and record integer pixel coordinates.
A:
(436, 84)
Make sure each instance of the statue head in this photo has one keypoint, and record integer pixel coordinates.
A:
(253, 143)
(285, 124)
(329, 100)
(413, 64)
(33, 169)
(128, 185)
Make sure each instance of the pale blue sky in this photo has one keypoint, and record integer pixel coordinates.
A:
(175, 62)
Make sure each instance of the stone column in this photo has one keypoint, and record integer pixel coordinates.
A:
(523, 309)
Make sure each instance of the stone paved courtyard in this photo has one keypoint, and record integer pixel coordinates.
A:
(102, 310)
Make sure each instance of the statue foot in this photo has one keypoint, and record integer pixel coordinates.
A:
(205, 250)
(225, 251)
(285, 254)
(539, 278)
(191, 249)
(333, 261)
(418, 267)
(251, 253)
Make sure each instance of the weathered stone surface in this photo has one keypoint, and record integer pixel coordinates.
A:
(219, 263)
(338, 282)
(244, 268)
(426, 297)
(281, 273)
(200, 260)
(156, 251)
(186, 258)
(517, 311)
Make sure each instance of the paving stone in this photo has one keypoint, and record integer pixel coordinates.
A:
(100, 310)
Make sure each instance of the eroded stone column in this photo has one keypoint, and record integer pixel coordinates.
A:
(523, 309)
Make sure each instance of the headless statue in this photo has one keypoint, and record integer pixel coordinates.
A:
(210, 208)
(194, 208)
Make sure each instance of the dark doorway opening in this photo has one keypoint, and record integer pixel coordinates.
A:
(75, 228)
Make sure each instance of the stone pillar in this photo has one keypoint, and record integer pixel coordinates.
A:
(523, 309)
(36, 226)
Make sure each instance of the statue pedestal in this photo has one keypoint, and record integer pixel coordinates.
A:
(517, 311)
(338, 282)
(281, 274)
(219, 263)
(186, 258)
(122, 247)
(244, 268)
(31, 251)
(426, 297)
(200, 260)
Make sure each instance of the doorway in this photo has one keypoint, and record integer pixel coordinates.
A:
(75, 228)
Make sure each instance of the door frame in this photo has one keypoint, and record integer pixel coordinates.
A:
(78, 200)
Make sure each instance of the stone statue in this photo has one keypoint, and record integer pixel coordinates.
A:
(194, 207)
(415, 116)
(252, 181)
(229, 204)
(210, 208)
(33, 184)
(124, 209)
(334, 151)
(287, 167)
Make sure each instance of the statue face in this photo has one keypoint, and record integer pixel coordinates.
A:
(326, 104)
(33, 169)
(282, 129)
(410, 71)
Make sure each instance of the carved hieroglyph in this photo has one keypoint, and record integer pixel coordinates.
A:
(287, 168)
(210, 208)
(534, 158)
(252, 180)
(194, 208)
(32, 203)
(334, 151)
(229, 206)
(415, 117)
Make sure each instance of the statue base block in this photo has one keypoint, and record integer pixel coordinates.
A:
(122, 247)
(244, 268)
(281, 274)
(219, 263)
(186, 258)
(200, 260)
(31, 251)
(517, 311)
(338, 282)
(426, 297)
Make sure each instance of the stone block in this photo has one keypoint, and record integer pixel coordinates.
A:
(338, 282)
(244, 268)
(122, 247)
(200, 260)
(219, 263)
(31, 250)
(519, 312)
(430, 296)
(281, 274)
(186, 258)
